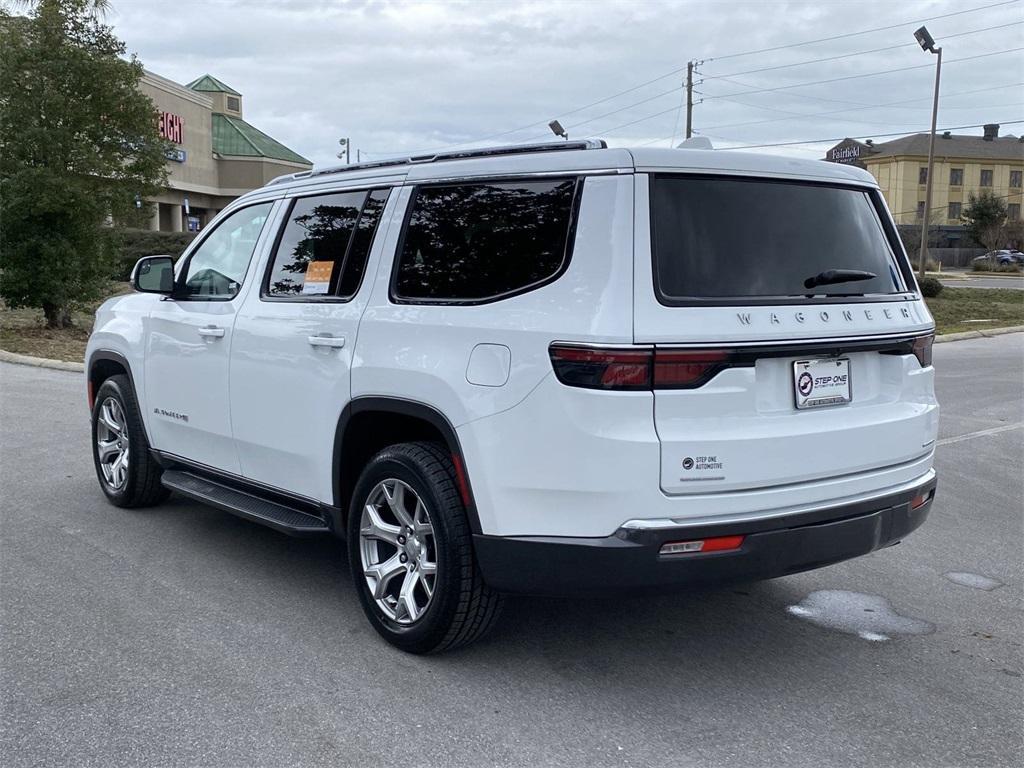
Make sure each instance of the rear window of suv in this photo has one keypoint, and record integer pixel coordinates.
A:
(718, 238)
(476, 242)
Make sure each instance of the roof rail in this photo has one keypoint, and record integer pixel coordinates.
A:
(464, 154)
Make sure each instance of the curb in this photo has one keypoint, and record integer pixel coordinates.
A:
(978, 334)
(63, 365)
(40, 362)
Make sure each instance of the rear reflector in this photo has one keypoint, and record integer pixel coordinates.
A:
(921, 499)
(717, 544)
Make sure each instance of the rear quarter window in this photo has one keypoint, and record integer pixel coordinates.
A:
(716, 238)
(477, 242)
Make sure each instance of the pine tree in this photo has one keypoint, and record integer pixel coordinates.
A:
(78, 146)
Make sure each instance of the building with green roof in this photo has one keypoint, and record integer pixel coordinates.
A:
(215, 155)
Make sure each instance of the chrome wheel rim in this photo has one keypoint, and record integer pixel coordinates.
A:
(112, 444)
(398, 551)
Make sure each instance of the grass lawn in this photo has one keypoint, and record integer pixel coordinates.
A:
(954, 306)
(23, 331)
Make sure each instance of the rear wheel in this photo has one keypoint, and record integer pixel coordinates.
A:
(127, 473)
(411, 552)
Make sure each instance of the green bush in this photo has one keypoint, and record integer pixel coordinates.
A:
(930, 287)
(133, 244)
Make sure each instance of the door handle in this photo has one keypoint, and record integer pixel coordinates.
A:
(211, 331)
(327, 341)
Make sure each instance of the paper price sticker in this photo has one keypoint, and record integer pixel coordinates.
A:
(318, 277)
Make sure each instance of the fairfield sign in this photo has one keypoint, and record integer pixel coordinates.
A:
(171, 127)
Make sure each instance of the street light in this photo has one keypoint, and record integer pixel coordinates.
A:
(927, 43)
(558, 130)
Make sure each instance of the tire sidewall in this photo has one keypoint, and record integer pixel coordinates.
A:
(111, 388)
(431, 628)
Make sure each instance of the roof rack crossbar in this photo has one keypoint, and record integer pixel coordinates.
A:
(465, 154)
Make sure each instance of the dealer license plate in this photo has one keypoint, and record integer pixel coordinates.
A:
(817, 383)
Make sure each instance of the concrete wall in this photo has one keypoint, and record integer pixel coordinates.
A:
(199, 168)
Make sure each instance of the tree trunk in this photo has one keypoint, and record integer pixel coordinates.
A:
(57, 316)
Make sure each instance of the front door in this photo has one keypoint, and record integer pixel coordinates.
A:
(189, 339)
(294, 337)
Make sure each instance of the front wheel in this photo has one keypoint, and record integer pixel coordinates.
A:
(411, 552)
(127, 473)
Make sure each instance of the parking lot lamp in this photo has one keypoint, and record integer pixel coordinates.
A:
(928, 44)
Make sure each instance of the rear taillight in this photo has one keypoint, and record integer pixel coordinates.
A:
(922, 349)
(636, 369)
(592, 368)
(687, 370)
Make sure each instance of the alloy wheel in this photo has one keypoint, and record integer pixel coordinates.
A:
(398, 551)
(112, 443)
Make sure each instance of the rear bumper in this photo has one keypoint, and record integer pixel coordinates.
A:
(629, 560)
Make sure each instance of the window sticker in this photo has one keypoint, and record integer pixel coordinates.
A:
(318, 277)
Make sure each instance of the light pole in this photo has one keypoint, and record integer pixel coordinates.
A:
(928, 44)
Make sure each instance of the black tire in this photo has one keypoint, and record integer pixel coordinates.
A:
(463, 608)
(141, 487)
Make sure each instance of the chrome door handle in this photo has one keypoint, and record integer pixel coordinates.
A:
(327, 341)
(211, 331)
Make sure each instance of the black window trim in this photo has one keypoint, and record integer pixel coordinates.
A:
(323, 298)
(186, 259)
(885, 223)
(578, 180)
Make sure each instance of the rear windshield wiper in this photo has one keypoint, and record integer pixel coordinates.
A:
(832, 276)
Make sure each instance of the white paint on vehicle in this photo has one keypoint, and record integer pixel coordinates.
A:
(870, 617)
(973, 580)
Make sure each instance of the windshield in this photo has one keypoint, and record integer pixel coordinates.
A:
(741, 238)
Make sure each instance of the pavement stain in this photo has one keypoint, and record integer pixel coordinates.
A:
(870, 617)
(973, 580)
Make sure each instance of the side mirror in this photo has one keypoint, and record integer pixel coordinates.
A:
(154, 274)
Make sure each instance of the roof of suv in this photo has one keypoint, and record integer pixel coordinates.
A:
(570, 157)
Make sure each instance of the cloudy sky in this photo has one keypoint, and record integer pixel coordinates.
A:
(400, 77)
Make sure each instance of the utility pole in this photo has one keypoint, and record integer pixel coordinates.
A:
(689, 98)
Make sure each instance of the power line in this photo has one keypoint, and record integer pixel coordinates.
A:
(870, 135)
(867, 74)
(940, 207)
(861, 32)
(670, 73)
(857, 53)
(901, 103)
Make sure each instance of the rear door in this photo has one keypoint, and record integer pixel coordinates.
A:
(763, 379)
(295, 335)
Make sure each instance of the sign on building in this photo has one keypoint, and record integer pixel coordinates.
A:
(171, 127)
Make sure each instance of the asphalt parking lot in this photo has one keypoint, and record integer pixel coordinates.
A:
(181, 636)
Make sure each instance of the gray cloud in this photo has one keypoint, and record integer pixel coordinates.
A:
(399, 77)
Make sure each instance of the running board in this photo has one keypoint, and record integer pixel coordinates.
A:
(278, 516)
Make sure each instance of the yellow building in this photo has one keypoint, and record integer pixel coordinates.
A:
(963, 165)
(216, 155)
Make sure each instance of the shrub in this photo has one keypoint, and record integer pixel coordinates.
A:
(930, 287)
(133, 244)
(988, 266)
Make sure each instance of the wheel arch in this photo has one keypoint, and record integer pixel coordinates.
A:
(104, 363)
(369, 424)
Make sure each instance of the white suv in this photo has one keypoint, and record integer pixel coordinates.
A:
(554, 369)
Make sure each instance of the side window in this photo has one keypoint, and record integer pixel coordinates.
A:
(217, 267)
(474, 242)
(325, 243)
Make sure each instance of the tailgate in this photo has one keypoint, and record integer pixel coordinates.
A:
(736, 326)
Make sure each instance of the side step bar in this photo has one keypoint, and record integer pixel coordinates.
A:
(278, 516)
